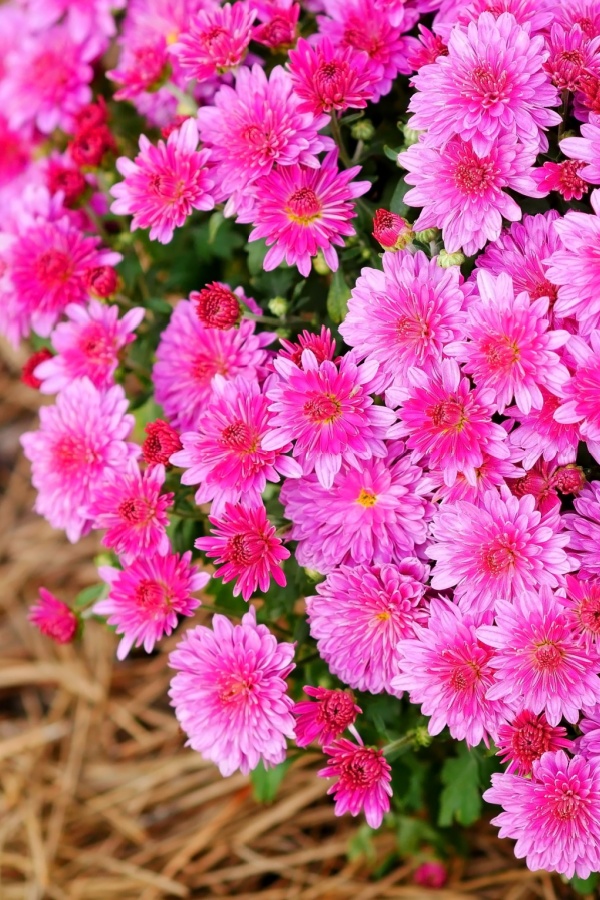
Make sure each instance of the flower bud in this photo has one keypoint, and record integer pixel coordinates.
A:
(363, 130)
(569, 479)
(27, 376)
(216, 306)
(101, 281)
(278, 306)
(425, 237)
(161, 442)
(54, 618)
(445, 260)
(410, 135)
(431, 874)
(422, 738)
(392, 231)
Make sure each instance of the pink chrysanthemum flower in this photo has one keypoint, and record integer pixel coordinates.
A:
(366, 26)
(142, 66)
(490, 83)
(84, 18)
(330, 78)
(405, 315)
(571, 54)
(584, 13)
(583, 603)
(509, 348)
(164, 183)
(278, 27)
(526, 12)
(584, 530)
(327, 412)
(540, 435)
(146, 597)
(321, 345)
(589, 743)
(53, 618)
(300, 210)
(491, 474)
(539, 661)
(575, 266)
(554, 816)
(446, 421)
(256, 125)
(446, 668)
(563, 177)
(526, 740)
(189, 355)
(586, 149)
(374, 514)
(462, 192)
(215, 41)
(500, 548)
(224, 455)
(430, 47)
(581, 403)
(161, 442)
(392, 232)
(88, 345)
(129, 504)
(363, 783)
(246, 548)
(325, 719)
(79, 439)
(358, 616)
(229, 693)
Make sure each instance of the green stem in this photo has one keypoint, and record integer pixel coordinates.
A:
(395, 745)
(357, 153)
(564, 111)
(270, 320)
(337, 136)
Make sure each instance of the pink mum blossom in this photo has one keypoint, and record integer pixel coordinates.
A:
(81, 437)
(589, 743)
(430, 47)
(446, 668)
(584, 13)
(539, 662)
(446, 421)
(130, 506)
(462, 191)
(215, 41)
(498, 549)
(189, 355)
(142, 66)
(554, 816)
(526, 12)
(374, 514)
(584, 530)
(83, 18)
(164, 183)
(301, 210)
(278, 27)
(88, 345)
(146, 597)
(540, 435)
(563, 177)
(229, 693)
(581, 397)
(224, 454)
(363, 783)
(324, 719)
(405, 315)
(583, 602)
(53, 618)
(526, 740)
(161, 443)
(321, 345)
(572, 54)
(330, 78)
(490, 84)
(327, 412)
(491, 474)
(246, 548)
(391, 231)
(358, 616)
(586, 148)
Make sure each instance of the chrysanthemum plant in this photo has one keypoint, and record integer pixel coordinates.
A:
(314, 292)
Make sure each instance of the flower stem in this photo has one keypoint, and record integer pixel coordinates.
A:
(337, 136)
(395, 745)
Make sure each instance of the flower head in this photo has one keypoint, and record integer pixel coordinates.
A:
(53, 618)
(28, 375)
(215, 41)
(321, 345)
(330, 78)
(585, 150)
(526, 739)
(162, 441)
(278, 27)
(581, 400)
(540, 435)
(363, 783)
(583, 602)
(216, 306)
(563, 177)
(584, 530)
(572, 54)
(391, 231)
(326, 718)
(229, 693)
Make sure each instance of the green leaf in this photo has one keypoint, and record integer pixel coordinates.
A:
(460, 798)
(89, 595)
(337, 298)
(265, 782)
(585, 885)
(397, 204)
(257, 250)
(361, 845)
(214, 223)
(390, 153)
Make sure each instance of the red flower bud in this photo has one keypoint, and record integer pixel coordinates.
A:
(391, 231)
(569, 479)
(89, 146)
(101, 281)
(161, 443)
(27, 376)
(216, 306)
(92, 115)
(70, 181)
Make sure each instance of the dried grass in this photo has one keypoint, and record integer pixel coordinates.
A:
(100, 800)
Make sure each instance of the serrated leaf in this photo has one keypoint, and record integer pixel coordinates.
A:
(337, 298)
(460, 798)
(266, 782)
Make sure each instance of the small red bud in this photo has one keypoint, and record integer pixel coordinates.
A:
(162, 441)
(101, 281)
(27, 376)
(391, 231)
(216, 306)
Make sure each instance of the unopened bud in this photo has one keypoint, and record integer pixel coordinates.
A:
(410, 135)
(101, 281)
(363, 130)
(432, 874)
(278, 306)
(313, 575)
(392, 231)
(446, 260)
(569, 479)
(422, 738)
(216, 306)
(425, 237)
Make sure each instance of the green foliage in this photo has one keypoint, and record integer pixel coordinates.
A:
(586, 886)
(337, 298)
(266, 782)
(460, 798)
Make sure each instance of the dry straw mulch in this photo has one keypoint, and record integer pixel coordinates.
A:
(100, 799)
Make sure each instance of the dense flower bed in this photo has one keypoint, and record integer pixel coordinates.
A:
(379, 468)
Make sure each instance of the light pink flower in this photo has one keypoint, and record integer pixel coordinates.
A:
(164, 184)
(324, 719)
(79, 439)
(526, 12)
(540, 435)
(581, 404)
(584, 530)
(142, 66)
(215, 41)
(584, 13)
(526, 740)
(554, 816)
(229, 693)
(491, 474)
(83, 18)
(445, 667)
(330, 78)
(358, 616)
(53, 618)
(498, 549)
(363, 783)
(429, 48)
(586, 148)
(145, 599)
(589, 743)
(583, 603)
(572, 54)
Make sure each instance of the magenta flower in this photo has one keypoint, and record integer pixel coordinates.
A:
(446, 421)
(160, 444)
(583, 603)
(189, 355)
(462, 191)
(358, 616)
(81, 437)
(330, 78)
(215, 41)
(224, 455)
(84, 18)
(363, 783)
(145, 598)
(374, 514)
(526, 740)
(581, 403)
(572, 54)
(584, 13)
(498, 549)
(164, 184)
(491, 83)
(229, 693)
(278, 27)
(554, 816)
(405, 315)
(491, 474)
(539, 662)
(584, 530)
(586, 148)
(429, 48)
(301, 210)
(326, 718)
(526, 12)
(509, 348)
(540, 435)
(88, 345)
(246, 548)
(391, 231)
(130, 506)
(327, 412)
(321, 345)
(589, 743)
(142, 67)
(563, 177)
(446, 668)
(53, 618)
